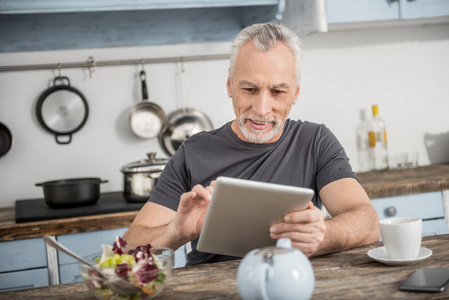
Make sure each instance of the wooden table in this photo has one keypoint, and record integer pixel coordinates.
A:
(348, 274)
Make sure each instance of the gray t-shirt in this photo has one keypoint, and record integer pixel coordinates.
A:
(306, 155)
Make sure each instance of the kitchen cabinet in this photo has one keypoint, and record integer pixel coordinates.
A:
(83, 244)
(347, 11)
(427, 206)
(23, 264)
(87, 243)
(27, 25)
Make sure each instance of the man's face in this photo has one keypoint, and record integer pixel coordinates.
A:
(263, 92)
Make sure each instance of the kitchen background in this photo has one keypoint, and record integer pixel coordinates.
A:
(403, 69)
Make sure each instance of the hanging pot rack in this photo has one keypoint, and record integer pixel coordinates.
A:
(91, 64)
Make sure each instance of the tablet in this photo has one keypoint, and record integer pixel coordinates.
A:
(241, 213)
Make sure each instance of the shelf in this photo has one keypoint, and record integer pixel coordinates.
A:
(64, 6)
(29, 25)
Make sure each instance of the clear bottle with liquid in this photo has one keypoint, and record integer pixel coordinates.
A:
(377, 142)
(362, 143)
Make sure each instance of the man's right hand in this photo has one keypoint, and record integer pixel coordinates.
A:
(192, 211)
(161, 226)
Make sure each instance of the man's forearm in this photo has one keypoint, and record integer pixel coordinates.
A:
(354, 228)
(158, 236)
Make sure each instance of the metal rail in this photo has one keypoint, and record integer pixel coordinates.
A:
(91, 64)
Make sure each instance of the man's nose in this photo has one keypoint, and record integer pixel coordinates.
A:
(262, 104)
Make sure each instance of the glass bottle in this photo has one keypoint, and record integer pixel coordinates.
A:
(362, 143)
(377, 142)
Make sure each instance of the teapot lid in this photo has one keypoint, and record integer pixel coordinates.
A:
(283, 246)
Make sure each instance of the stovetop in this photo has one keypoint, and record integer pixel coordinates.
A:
(30, 210)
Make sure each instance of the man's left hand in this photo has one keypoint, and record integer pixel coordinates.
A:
(304, 228)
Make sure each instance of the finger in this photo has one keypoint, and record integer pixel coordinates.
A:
(202, 192)
(210, 189)
(307, 243)
(281, 228)
(310, 215)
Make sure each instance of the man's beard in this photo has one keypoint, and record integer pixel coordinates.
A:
(259, 136)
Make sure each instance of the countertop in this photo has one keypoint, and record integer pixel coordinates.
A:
(405, 182)
(377, 185)
(348, 274)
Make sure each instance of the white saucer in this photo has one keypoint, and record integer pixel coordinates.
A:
(380, 255)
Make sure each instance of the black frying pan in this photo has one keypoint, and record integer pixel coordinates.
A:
(5, 139)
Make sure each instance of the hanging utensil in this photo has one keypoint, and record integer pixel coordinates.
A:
(182, 123)
(147, 119)
(5, 139)
(62, 110)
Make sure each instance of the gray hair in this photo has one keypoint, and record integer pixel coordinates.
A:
(264, 37)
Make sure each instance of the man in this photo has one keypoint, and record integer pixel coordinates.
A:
(261, 144)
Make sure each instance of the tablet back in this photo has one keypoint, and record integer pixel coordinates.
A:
(241, 212)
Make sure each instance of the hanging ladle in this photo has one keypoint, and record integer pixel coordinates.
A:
(118, 286)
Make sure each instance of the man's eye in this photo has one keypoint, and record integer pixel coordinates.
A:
(250, 90)
(278, 92)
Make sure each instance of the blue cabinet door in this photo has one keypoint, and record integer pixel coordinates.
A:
(21, 280)
(83, 244)
(346, 11)
(427, 206)
(23, 255)
(417, 9)
(87, 243)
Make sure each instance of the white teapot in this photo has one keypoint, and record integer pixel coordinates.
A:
(280, 272)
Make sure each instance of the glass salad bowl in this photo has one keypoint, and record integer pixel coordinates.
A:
(122, 269)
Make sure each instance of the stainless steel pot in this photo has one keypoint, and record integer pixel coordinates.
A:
(73, 192)
(140, 177)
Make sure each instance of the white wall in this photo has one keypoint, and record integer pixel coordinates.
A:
(403, 69)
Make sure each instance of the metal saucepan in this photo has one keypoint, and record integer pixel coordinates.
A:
(65, 193)
(182, 124)
(62, 110)
(5, 139)
(147, 119)
(140, 177)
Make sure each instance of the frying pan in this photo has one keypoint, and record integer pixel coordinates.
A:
(182, 123)
(62, 110)
(147, 119)
(5, 139)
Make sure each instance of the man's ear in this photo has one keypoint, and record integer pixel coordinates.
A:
(295, 99)
(228, 85)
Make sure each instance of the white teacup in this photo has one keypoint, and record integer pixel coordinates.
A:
(401, 237)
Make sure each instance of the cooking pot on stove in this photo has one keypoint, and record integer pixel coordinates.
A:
(140, 177)
(73, 192)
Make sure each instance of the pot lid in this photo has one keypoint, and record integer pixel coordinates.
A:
(152, 164)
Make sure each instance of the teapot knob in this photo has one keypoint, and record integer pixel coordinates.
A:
(284, 243)
(268, 258)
